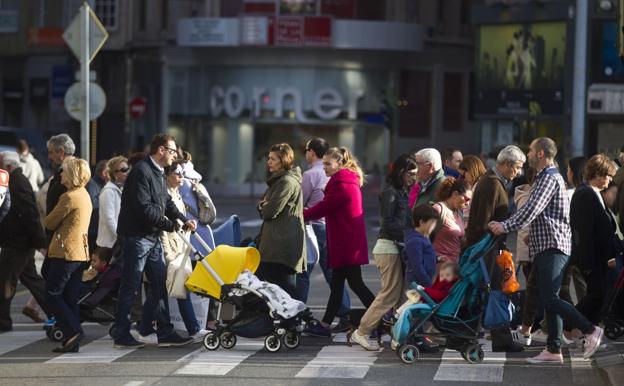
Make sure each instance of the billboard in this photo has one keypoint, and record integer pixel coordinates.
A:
(520, 69)
(611, 66)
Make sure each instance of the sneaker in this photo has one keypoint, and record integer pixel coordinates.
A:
(199, 335)
(546, 357)
(539, 336)
(318, 330)
(394, 345)
(520, 337)
(128, 343)
(592, 342)
(150, 339)
(363, 341)
(174, 340)
(342, 326)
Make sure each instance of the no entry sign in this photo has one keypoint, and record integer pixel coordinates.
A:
(137, 107)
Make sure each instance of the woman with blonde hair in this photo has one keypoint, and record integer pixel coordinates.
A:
(69, 250)
(110, 201)
(347, 248)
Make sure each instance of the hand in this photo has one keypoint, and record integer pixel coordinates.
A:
(611, 263)
(496, 228)
(190, 225)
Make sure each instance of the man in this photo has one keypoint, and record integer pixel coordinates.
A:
(30, 166)
(490, 202)
(313, 185)
(548, 213)
(619, 176)
(430, 175)
(452, 158)
(21, 234)
(94, 187)
(146, 211)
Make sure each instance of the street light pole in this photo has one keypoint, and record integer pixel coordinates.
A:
(84, 82)
(579, 107)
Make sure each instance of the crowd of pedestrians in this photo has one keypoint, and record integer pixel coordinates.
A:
(431, 208)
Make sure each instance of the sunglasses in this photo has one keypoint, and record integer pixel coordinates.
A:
(122, 170)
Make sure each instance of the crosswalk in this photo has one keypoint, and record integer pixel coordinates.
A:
(314, 359)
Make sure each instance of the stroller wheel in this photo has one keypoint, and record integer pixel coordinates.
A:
(111, 330)
(56, 334)
(408, 353)
(473, 353)
(211, 341)
(272, 343)
(228, 340)
(614, 330)
(291, 340)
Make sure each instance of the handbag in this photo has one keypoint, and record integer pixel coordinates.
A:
(178, 271)
(509, 282)
(207, 211)
(499, 310)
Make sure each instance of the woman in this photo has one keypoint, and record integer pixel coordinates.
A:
(592, 234)
(69, 250)
(110, 201)
(347, 248)
(471, 169)
(281, 243)
(448, 237)
(393, 208)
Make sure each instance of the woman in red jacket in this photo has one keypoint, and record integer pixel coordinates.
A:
(347, 248)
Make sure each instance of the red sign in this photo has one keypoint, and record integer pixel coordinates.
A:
(317, 31)
(259, 7)
(294, 31)
(45, 36)
(289, 31)
(341, 9)
(137, 107)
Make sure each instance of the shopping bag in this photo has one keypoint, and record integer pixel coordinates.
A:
(499, 310)
(178, 271)
(312, 247)
(509, 282)
(200, 308)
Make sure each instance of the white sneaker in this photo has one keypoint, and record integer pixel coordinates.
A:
(592, 342)
(199, 335)
(539, 336)
(363, 341)
(150, 339)
(521, 338)
(546, 357)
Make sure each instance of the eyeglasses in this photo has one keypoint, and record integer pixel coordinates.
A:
(170, 150)
(123, 170)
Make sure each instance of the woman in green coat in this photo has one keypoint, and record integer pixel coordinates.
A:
(282, 237)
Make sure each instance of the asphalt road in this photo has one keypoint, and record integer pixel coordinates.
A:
(26, 357)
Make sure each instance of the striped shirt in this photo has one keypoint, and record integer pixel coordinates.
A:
(548, 213)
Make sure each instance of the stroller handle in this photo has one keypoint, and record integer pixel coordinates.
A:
(496, 241)
(198, 237)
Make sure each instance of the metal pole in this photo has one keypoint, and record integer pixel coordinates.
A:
(579, 107)
(84, 81)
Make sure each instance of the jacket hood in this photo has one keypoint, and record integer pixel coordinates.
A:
(294, 173)
(346, 176)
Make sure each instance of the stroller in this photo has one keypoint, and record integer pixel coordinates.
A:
(458, 317)
(614, 313)
(97, 302)
(225, 274)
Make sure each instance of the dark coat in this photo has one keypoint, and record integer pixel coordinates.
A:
(344, 214)
(145, 202)
(94, 187)
(21, 228)
(394, 212)
(490, 202)
(593, 230)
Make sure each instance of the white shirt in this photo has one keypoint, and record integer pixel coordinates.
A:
(110, 204)
(32, 170)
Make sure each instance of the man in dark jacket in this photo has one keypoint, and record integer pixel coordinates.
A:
(490, 202)
(146, 211)
(21, 234)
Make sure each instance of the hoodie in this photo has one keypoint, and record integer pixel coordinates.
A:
(344, 215)
(282, 235)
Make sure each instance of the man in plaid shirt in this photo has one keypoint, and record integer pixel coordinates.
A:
(548, 213)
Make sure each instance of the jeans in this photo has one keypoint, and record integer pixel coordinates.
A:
(353, 275)
(549, 266)
(186, 312)
(64, 283)
(303, 283)
(140, 254)
(320, 231)
(280, 275)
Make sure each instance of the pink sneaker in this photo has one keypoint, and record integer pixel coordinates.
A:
(546, 357)
(592, 342)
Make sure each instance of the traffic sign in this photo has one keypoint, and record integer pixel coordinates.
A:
(97, 35)
(137, 107)
(73, 101)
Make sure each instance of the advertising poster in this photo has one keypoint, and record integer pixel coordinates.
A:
(297, 7)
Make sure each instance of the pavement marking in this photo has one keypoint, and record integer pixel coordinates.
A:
(454, 368)
(341, 337)
(582, 370)
(98, 351)
(134, 383)
(339, 362)
(220, 361)
(13, 340)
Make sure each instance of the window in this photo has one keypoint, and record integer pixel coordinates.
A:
(453, 114)
(164, 11)
(142, 14)
(414, 104)
(108, 13)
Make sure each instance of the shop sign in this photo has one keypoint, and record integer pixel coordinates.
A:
(289, 31)
(254, 30)
(9, 22)
(327, 104)
(62, 79)
(45, 36)
(317, 31)
(200, 31)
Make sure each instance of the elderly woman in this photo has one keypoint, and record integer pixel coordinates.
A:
(69, 250)
(110, 201)
(281, 243)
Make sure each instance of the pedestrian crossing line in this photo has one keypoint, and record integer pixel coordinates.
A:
(339, 362)
(98, 351)
(582, 369)
(454, 368)
(218, 362)
(14, 340)
(342, 338)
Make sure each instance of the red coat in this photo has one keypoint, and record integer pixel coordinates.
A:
(440, 289)
(344, 216)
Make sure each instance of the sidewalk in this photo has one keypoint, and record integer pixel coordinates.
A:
(611, 363)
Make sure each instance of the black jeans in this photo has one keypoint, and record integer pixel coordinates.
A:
(280, 275)
(64, 285)
(591, 305)
(353, 275)
(19, 264)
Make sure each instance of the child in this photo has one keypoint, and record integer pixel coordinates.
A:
(449, 274)
(100, 260)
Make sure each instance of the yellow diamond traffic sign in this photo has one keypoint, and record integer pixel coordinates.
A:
(97, 35)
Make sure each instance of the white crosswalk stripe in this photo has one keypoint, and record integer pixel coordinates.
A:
(98, 351)
(454, 368)
(339, 362)
(14, 340)
(218, 362)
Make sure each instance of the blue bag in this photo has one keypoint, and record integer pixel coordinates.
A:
(499, 311)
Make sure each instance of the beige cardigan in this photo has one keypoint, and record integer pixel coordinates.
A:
(173, 245)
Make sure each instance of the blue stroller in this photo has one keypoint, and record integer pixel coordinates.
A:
(458, 317)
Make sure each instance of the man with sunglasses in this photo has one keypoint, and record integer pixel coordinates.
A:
(146, 211)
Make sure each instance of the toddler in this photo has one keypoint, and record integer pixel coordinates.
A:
(449, 274)
(100, 260)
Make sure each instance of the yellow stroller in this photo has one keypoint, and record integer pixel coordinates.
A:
(225, 274)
